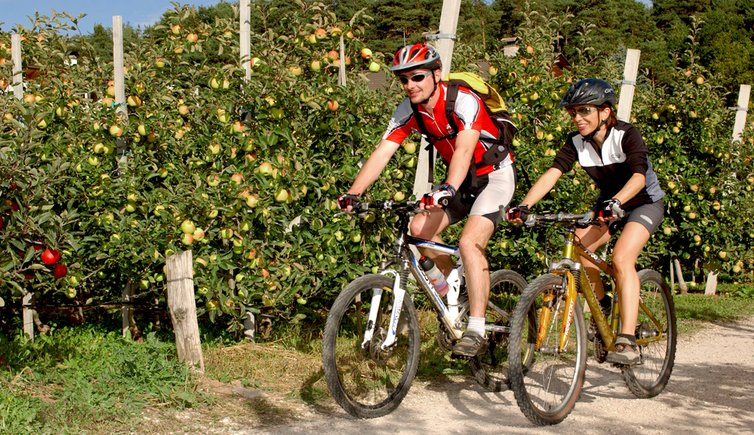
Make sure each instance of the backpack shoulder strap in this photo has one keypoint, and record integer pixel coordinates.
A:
(450, 103)
(420, 121)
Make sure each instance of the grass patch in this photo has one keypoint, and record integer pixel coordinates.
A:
(694, 310)
(87, 380)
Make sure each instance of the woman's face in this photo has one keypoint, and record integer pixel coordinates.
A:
(587, 117)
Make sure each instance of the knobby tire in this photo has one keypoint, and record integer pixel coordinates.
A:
(546, 386)
(650, 377)
(369, 383)
(490, 369)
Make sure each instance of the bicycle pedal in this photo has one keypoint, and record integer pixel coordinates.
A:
(460, 357)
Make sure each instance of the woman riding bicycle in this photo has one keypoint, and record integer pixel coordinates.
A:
(614, 154)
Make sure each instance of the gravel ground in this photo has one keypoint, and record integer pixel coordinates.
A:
(711, 391)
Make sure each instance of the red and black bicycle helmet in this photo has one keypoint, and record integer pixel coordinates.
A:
(419, 55)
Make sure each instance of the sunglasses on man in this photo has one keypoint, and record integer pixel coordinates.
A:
(414, 78)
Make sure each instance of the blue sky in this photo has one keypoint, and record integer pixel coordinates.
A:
(134, 12)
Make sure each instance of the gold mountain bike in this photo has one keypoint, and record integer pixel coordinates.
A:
(549, 321)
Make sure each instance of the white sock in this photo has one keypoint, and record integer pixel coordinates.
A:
(476, 324)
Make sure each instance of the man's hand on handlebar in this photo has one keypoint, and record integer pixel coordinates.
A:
(517, 215)
(438, 198)
(348, 201)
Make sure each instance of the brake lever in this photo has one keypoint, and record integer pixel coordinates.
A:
(586, 220)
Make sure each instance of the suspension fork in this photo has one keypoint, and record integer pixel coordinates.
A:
(399, 293)
(570, 272)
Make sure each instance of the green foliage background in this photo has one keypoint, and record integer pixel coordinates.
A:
(263, 191)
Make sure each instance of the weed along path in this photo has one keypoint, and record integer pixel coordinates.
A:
(711, 391)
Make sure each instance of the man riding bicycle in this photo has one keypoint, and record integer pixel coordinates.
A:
(471, 188)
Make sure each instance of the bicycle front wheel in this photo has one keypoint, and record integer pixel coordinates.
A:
(364, 379)
(490, 368)
(656, 336)
(547, 386)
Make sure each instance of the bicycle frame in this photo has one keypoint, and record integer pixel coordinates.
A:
(408, 262)
(573, 252)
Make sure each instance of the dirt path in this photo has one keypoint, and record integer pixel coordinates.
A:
(711, 391)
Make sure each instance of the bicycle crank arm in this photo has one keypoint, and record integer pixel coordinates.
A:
(497, 328)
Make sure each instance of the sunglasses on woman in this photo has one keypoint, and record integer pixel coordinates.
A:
(581, 111)
(414, 78)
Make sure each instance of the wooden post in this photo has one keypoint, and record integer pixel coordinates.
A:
(681, 282)
(183, 309)
(342, 66)
(120, 87)
(445, 42)
(18, 76)
(741, 109)
(245, 32)
(127, 311)
(711, 288)
(28, 316)
(630, 71)
(118, 74)
(18, 92)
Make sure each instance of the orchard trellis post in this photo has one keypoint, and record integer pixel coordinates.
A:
(182, 304)
(630, 71)
(342, 65)
(18, 92)
(249, 322)
(245, 35)
(18, 77)
(118, 73)
(122, 117)
(445, 42)
(741, 109)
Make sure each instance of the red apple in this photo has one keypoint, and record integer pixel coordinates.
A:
(50, 256)
(60, 270)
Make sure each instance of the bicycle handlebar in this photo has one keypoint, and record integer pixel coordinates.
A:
(580, 220)
(399, 206)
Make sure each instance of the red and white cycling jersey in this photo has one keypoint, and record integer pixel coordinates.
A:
(469, 114)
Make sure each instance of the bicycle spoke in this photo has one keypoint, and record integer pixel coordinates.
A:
(656, 336)
(365, 379)
(490, 368)
(548, 383)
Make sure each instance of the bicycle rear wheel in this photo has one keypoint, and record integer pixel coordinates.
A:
(656, 335)
(490, 368)
(365, 380)
(547, 387)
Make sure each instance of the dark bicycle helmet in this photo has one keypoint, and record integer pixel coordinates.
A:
(589, 91)
(414, 56)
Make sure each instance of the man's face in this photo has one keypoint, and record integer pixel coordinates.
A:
(418, 84)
